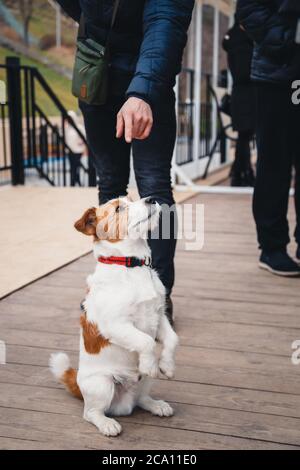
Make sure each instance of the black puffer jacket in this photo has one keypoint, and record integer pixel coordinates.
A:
(147, 41)
(272, 25)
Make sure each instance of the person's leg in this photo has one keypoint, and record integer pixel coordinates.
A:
(77, 160)
(111, 155)
(273, 177)
(72, 168)
(297, 203)
(243, 153)
(152, 164)
(241, 172)
(296, 147)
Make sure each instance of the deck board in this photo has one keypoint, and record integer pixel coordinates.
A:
(235, 385)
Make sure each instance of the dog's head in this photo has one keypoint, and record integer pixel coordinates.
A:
(120, 219)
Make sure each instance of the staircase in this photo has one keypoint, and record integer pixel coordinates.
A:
(31, 142)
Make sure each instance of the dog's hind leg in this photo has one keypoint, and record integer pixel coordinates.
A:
(98, 393)
(156, 407)
(169, 339)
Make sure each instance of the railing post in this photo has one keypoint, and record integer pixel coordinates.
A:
(15, 119)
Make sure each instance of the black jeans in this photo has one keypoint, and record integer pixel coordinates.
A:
(74, 159)
(242, 160)
(278, 145)
(152, 159)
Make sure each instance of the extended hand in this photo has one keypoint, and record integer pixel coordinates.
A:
(135, 120)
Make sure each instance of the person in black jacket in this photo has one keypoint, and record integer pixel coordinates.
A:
(239, 48)
(272, 24)
(146, 47)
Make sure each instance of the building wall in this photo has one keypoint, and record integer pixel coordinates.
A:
(207, 41)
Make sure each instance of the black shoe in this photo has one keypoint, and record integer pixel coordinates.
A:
(169, 310)
(280, 263)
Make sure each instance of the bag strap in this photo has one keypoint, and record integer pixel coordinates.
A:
(81, 30)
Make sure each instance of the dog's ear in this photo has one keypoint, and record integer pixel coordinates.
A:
(87, 223)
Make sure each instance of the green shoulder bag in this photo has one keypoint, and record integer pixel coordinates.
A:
(90, 72)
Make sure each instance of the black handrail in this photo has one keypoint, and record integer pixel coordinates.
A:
(38, 132)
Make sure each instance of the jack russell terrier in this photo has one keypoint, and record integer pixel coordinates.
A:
(124, 313)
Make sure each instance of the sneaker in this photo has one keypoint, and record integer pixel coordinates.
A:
(280, 263)
(169, 310)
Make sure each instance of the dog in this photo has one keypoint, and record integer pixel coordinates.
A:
(124, 313)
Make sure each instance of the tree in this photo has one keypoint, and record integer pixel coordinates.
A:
(26, 10)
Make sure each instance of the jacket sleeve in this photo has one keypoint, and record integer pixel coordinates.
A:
(71, 7)
(165, 26)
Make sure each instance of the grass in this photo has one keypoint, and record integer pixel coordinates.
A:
(43, 22)
(59, 84)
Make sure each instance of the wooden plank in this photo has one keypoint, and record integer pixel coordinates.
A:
(247, 338)
(202, 365)
(11, 443)
(260, 281)
(235, 386)
(214, 312)
(276, 429)
(37, 382)
(72, 430)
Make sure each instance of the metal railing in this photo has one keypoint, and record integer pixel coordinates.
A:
(186, 118)
(5, 155)
(32, 142)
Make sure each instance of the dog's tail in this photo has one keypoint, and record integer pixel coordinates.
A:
(60, 367)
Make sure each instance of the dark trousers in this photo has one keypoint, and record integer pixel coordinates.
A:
(278, 145)
(242, 160)
(75, 159)
(152, 159)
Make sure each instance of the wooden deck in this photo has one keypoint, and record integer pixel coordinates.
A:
(235, 386)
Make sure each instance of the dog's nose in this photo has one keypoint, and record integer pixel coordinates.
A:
(150, 200)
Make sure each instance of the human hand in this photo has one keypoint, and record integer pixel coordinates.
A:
(134, 120)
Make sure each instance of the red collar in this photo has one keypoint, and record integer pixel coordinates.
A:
(127, 261)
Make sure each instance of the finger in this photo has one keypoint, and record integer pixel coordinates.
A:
(120, 126)
(128, 128)
(146, 131)
(139, 128)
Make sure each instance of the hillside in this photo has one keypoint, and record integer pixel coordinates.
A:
(42, 28)
(60, 84)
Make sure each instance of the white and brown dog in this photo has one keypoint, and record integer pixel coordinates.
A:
(124, 315)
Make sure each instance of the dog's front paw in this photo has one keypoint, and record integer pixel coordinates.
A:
(148, 365)
(161, 408)
(167, 368)
(109, 427)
